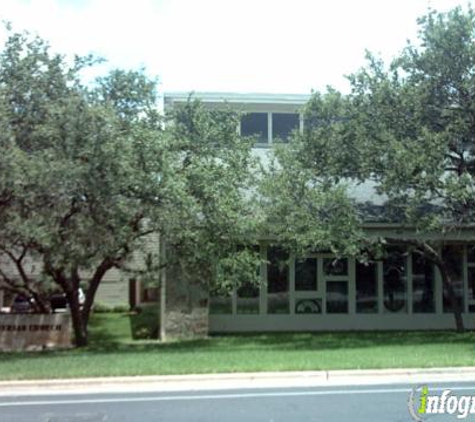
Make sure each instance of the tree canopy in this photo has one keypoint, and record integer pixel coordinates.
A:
(405, 132)
(89, 174)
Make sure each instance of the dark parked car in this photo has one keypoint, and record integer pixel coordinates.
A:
(22, 304)
(58, 301)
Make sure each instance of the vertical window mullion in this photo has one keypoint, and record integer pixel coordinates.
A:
(263, 290)
(380, 281)
(351, 286)
(292, 284)
(410, 300)
(465, 280)
(269, 128)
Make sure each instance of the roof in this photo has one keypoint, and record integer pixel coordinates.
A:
(238, 98)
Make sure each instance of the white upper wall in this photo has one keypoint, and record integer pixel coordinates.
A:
(268, 103)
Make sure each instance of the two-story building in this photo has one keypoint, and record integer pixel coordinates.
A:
(318, 293)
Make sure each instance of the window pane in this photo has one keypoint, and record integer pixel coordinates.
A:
(308, 306)
(248, 299)
(471, 282)
(366, 288)
(337, 297)
(306, 274)
(422, 285)
(453, 258)
(395, 282)
(471, 253)
(220, 305)
(255, 124)
(277, 281)
(332, 266)
(283, 124)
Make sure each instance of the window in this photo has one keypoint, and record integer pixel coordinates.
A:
(366, 288)
(337, 297)
(248, 299)
(395, 282)
(283, 124)
(255, 124)
(422, 285)
(453, 258)
(471, 282)
(332, 266)
(220, 302)
(247, 294)
(306, 274)
(278, 125)
(471, 277)
(277, 281)
(471, 254)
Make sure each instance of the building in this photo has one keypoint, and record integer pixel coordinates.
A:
(318, 293)
(403, 292)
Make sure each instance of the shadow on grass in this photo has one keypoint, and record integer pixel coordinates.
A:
(290, 342)
(111, 333)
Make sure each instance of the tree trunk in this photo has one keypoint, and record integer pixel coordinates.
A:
(39, 304)
(92, 287)
(447, 283)
(79, 323)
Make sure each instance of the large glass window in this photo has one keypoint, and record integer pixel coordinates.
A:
(395, 281)
(247, 294)
(337, 297)
(220, 303)
(453, 258)
(422, 285)
(306, 274)
(283, 124)
(277, 281)
(366, 288)
(248, 299)
(471, 283)
(333, 266)
(471, 254)
(255, 124)
(471, 277)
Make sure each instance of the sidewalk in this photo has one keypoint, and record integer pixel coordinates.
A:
(237, 381)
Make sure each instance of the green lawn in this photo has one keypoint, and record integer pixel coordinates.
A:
(112, 352)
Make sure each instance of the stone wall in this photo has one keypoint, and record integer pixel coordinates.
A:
(34, 331)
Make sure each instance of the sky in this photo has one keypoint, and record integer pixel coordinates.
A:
(271, 46)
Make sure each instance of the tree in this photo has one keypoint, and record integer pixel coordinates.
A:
(406, 130)
(89, 176)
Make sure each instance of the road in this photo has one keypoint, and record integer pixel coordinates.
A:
(356, 403)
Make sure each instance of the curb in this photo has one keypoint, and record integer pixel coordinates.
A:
(193, 382)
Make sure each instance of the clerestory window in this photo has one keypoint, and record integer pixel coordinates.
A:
(270, 127)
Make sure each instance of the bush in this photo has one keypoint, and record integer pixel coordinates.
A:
(144, 323)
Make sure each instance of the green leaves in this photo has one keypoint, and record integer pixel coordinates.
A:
(89, 176)
(405, 134)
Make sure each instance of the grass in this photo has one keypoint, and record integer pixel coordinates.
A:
(113, 353)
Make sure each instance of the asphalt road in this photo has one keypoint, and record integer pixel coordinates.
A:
(357, 404)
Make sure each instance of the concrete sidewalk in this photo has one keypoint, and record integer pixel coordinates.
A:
(237, 380)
